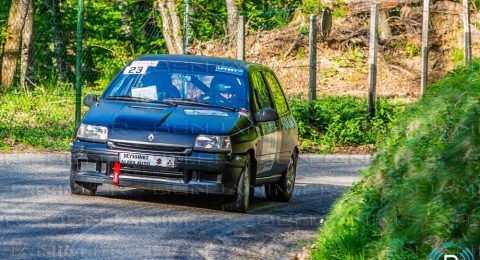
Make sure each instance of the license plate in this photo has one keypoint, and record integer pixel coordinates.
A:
(147, 160)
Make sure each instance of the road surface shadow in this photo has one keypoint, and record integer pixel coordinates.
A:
(310, 198)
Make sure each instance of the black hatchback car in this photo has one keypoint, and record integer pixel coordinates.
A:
(189, 124)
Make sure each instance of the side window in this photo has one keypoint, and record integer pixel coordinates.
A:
(277, 94)
(260, 90)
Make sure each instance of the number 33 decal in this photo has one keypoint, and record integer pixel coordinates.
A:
(135, 70)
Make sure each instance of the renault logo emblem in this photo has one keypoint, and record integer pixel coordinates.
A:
(151, 137)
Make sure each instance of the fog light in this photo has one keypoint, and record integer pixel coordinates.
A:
(93, 167)
(88, 166)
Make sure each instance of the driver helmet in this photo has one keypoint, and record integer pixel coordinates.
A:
(224, 86)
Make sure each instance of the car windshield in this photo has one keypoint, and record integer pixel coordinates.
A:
(205, 85)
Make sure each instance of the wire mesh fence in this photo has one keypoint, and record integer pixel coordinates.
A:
(277, 35)
(115, 32)
(49, 56)
(139, 29)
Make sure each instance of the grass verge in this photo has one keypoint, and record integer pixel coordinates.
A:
(38, 119)
(422, 190)
(43, 120)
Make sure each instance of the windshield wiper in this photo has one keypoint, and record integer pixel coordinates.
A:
(140, 99)
(128, 98)
(187, 101)
(163, 102)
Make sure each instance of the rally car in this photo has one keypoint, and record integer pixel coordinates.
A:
(189, 124)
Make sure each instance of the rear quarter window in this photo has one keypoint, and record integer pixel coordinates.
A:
(277, 94)
(260, 91)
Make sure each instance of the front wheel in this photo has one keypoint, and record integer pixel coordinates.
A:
(240, 201)
(82, 188)
(283, 190)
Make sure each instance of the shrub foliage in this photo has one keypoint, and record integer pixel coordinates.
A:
(43, 119)
(342, 121)
(422, 190)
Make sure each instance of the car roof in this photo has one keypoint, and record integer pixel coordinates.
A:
(199, 60)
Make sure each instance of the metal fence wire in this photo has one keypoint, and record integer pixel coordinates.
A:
(112, 32)
(132, 31)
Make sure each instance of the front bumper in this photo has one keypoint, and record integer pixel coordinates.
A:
(187, 177)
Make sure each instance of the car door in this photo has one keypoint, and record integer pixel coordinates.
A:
(267, 143)
(286, 127)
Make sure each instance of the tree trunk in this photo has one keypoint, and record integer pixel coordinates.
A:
(126, 28)
(27, 37)
(176, 25)
(385, 30)
(167, 28)
(232, 19)
(58, 43)
(11, 48)
(172, 29)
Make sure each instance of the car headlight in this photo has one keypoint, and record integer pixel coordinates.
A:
(213, 143)
(92, 133)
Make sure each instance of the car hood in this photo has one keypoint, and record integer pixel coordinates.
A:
(127, 116)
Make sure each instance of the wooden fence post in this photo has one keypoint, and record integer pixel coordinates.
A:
(425, 31)
(466, 33)
(241, 38)
(186, 25)
(372, 60)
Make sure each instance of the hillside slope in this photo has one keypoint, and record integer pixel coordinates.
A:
(422, 190)
(342, 67)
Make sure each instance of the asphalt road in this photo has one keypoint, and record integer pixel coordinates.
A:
(39, 218)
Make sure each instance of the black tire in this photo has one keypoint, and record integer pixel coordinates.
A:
(283, 190)
(241, 200)
(82, 188)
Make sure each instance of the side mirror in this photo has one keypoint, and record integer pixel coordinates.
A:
(90, 100)
(266, 115)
